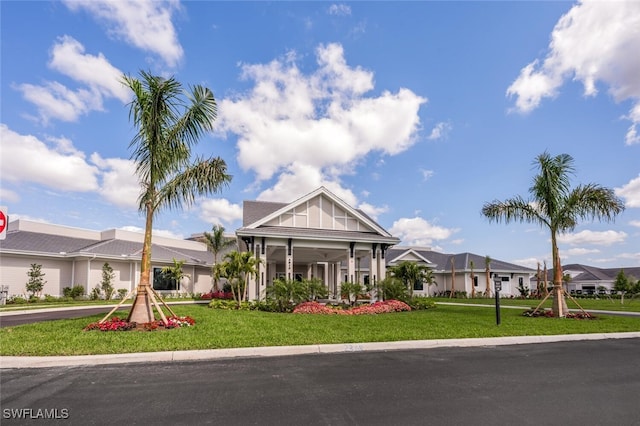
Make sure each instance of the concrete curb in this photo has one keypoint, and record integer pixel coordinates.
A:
(9, 362)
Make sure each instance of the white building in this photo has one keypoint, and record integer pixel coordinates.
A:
(315, 236)
(73, 256)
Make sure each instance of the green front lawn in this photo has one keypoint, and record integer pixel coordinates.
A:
(232, 329)
(603, 304)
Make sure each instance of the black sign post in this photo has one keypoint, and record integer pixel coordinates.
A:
(497, 282)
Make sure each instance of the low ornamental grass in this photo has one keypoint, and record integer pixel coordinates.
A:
(215, 329)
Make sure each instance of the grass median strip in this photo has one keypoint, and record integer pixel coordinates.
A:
(216, 329)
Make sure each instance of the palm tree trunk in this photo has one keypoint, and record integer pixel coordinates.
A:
(142, 310)
(559, 305)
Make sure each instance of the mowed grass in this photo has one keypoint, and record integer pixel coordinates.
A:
(233, 329)
(631, 304)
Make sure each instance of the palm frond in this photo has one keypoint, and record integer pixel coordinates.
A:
(202, 178)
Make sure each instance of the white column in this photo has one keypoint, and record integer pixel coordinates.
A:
(337, 276)
(262, 271)
(382, 269)
(253, 285)
(289, 260)
(373, 272)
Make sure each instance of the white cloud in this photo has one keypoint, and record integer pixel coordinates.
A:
(630, 192)
(68, 57)
(419, 232)
(146, 24)
(25, 158)
(56, 101)
(218, 210)
(529, 262)
(314, 128)
(440, 131)
(426, 174)
(580, 251)
(635, 257)
(603, 238)
(120, 184)
(8, 196)
(300, 179)
(635, 223)
(340, 10)
(158, 232)
(590, 44)
(373, 211)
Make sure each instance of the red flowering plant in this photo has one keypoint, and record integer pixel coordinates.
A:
(217, 295)
(114, 324)
(374, 308)
(117, 324)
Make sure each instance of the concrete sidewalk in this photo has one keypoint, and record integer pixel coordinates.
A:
(7, 362)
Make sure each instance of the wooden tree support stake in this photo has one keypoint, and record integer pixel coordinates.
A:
(116, 308)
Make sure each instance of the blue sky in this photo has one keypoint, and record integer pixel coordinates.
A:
(416, 112)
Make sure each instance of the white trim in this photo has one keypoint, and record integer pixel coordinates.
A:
(320, 191)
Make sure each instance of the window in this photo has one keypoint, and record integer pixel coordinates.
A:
(521, 280)
(504, 278)
(418, 285)
(475, 281)
(163, 281)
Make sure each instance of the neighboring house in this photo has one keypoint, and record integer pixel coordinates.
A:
(318, 235)
(511, 276)
(589, 279)
(73, 256)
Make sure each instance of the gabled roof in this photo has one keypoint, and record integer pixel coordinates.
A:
(583, 273)
(258, 214)
(402, 255)
(461, 261)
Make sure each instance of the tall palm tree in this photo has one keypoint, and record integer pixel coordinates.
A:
(168, 126)
(216, 242)
(557, 207)
(487, 276)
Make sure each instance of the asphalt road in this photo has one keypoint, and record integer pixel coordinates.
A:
(568, 383)
(39, 315)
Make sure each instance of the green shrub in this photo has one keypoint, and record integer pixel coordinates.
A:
(122, 292)
(315, 289)
(95, 293)
(73, 292)
(223, 304)
(18, 300)
(350, 291)
(50, 298)
(286, 294)
(265, 306)
(421, 303)
(392, 288)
